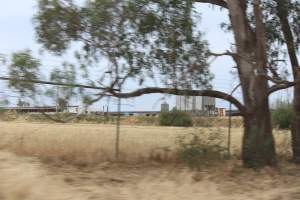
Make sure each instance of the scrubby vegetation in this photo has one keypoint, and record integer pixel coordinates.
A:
(175, 118)
(282, 115)
(202, 148)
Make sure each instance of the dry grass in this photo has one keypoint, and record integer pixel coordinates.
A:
(91, 145)
(86, 144)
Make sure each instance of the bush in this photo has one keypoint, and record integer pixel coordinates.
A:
(201, 149)
(282, 115)
(175, 118)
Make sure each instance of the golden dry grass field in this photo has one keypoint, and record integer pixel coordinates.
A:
(40, 161)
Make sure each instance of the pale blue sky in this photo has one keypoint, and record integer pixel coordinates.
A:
(17, 33)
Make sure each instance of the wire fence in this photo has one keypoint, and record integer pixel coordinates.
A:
(122, 136)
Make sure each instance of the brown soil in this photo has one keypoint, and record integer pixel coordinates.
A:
(28, 179)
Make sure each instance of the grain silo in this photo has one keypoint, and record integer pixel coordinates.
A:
(164, 107)
(195, 104)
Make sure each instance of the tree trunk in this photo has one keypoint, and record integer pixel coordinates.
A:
(283, 14)
(258, 148)
(258, 143)
(296, 121)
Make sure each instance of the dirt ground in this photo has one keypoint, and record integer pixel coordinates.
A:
(28, 179)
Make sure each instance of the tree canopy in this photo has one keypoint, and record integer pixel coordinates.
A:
(139, 39)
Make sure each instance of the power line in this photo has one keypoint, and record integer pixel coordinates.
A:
(54, 83)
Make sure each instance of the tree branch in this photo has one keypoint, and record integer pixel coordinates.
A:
(220, 3)
(273, 69)
(283, 15)
(278, 80)
(227, 53)
(281, 86)
(174, 91)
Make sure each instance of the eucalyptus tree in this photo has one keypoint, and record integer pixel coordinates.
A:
(139, 38)
(284, 29)
(25, 72)
(23, 65)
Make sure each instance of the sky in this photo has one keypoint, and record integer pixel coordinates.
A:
(17, 33)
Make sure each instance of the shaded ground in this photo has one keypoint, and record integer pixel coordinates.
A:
(29, 179)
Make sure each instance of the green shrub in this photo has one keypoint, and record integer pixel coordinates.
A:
(200, 149)
(175, 118)
(282, 115)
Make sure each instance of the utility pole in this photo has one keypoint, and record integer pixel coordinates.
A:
(230, 122)
(118, 122)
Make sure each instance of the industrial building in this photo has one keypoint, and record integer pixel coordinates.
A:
(197, 105)
(40, 109)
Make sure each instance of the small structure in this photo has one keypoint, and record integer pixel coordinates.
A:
(221, 112)
(164, 107)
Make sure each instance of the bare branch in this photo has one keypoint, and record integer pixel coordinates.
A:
(279, 84)
(174, 91)
(278, 80)
(282, 86)
(220, 3)
(227, 53)
(274, 72)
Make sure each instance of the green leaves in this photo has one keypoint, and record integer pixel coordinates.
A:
(23, 66)
(282, 114)
(175, 118)
(138, 38)
(57, 23)
(148, 23)
(63, 95)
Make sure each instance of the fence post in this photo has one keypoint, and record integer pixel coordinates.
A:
(117, 144)
(230, 122)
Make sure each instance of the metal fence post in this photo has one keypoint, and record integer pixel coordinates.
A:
(230, 122)
(117, 144)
